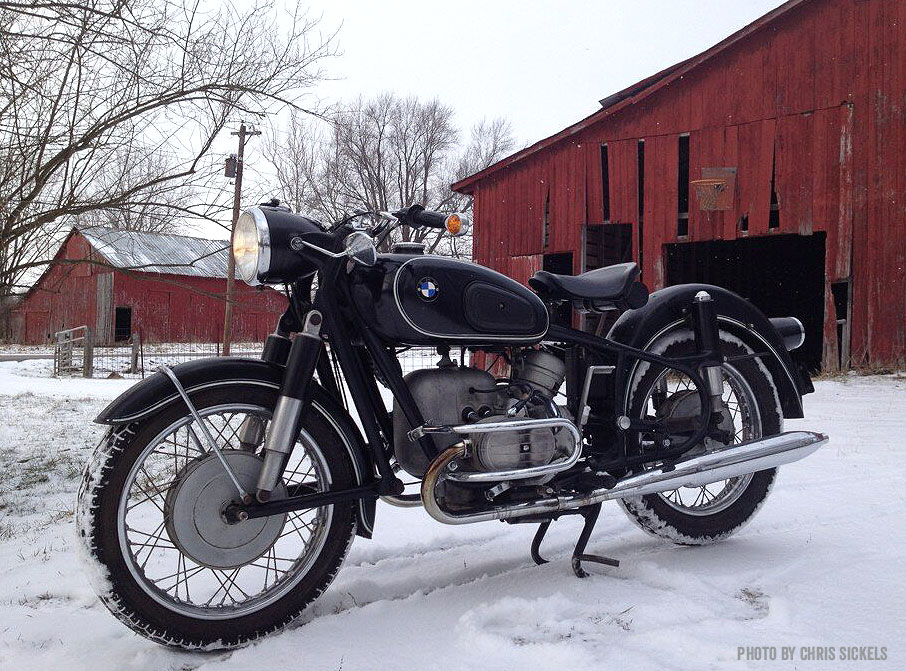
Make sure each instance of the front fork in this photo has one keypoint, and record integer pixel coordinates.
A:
(707, 339)
(285, 425)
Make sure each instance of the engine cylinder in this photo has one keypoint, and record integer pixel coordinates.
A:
(540, 370)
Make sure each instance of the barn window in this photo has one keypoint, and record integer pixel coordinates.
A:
(605, 182)
(641, 198)
(547, 220)
(608, 244)
(682, 187)
(605, 245)
(641, 180)
(774, 217)
(122, 326)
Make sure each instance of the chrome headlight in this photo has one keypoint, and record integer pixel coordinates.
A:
(252, 246)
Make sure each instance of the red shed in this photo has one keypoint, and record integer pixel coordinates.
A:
(170, 288)
(802, 114)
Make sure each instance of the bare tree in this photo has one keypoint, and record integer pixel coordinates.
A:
(490, 141)
(381, 154)
(158, 207)
(113, 105)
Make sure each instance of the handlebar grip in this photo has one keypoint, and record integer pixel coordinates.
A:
(417, 217)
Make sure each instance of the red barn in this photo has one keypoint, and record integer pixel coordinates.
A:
(801, 115)
(170, 288)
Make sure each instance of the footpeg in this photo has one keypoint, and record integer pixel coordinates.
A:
(590, 515)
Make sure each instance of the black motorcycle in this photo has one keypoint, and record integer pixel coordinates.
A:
(226, 493)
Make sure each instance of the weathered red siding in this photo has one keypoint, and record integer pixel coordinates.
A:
(165, 308)
(820, 84)
(174, 308)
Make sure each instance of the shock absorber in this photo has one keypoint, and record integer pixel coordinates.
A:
(707, 338)
(285, 425)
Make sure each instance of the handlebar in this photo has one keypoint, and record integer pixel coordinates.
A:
(417, 216)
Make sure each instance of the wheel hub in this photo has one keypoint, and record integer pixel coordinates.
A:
(195, 505)
(686, 404)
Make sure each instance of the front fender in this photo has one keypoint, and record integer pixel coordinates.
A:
(157, 392)
(667, 309)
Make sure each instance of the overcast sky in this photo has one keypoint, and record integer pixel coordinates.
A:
(542, 65)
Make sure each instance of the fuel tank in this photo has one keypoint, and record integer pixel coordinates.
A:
(425, 300)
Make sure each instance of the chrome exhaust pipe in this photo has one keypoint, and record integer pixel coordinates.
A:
(731, 462)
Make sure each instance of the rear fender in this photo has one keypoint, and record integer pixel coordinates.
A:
(667, 310)
(157, 392)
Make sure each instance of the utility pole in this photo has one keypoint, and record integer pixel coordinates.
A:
(243, 134)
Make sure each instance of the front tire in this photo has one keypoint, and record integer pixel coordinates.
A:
(173, 570)
(702, 515)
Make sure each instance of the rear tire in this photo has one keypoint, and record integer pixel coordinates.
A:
(143, 604)
(667, 514)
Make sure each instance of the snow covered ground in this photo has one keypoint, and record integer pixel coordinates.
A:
(822, 565)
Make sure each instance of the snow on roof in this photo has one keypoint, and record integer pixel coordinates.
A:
(159, 252)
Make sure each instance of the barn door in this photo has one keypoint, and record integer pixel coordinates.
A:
(104, 321)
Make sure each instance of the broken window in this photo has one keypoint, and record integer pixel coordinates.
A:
(605, 183)
(682, 187)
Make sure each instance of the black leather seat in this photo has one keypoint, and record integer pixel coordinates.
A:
(604, 284)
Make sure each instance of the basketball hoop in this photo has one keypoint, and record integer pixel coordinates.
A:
(708, 192)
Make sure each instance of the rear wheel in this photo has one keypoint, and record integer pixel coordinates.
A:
(171, 566)
(751, 410)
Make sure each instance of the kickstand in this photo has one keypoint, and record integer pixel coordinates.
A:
(590, 513)
(536, 542)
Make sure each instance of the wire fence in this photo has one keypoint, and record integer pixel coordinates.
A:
(134, 358)
(75, 354)
(417, 358)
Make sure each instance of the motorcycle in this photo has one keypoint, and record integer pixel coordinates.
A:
(227, 491)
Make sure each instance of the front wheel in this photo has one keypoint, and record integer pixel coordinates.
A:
(166, 560)
(751, 410)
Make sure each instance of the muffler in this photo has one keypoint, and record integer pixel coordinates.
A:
(750, 457)
(701, 469)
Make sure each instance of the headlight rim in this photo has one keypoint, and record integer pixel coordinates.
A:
(263, 235)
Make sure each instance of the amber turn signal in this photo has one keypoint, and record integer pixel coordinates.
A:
(457, 224)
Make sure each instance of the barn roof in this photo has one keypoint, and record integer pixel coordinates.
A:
(159, 252)
(630, 95)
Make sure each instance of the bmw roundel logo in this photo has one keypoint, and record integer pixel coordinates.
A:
(427, 288)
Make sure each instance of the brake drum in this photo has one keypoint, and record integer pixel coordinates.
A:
(686, 404)
(193, 511)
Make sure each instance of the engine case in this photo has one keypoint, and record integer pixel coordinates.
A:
(440, 394)
(509, 450)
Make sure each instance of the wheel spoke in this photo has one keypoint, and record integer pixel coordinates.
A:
(740, 412)
(149, 496)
